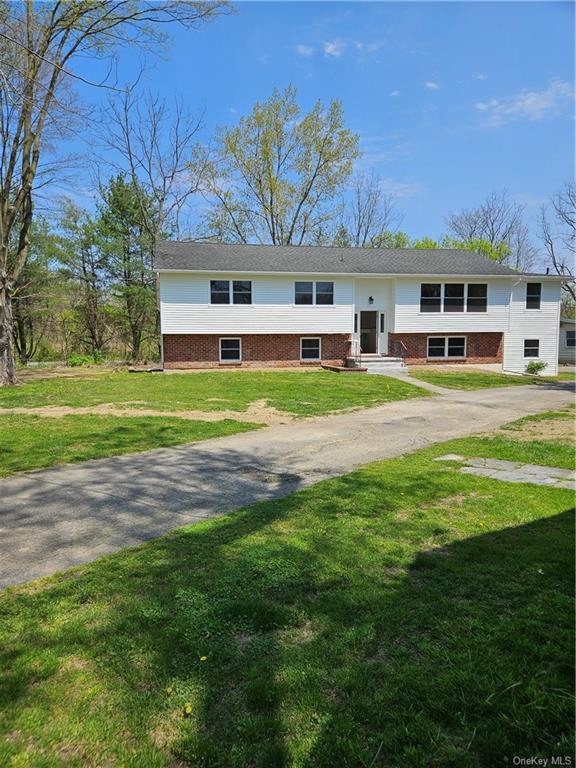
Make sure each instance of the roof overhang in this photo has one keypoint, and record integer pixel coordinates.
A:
(341, 274)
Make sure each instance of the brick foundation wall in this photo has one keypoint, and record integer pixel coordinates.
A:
(480, 348)
(258, 350)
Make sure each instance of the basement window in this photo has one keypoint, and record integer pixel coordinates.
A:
(443, 347)
(310, 348)
(231, 350)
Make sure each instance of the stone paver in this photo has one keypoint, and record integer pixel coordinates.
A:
(514, 471)
(55, 518)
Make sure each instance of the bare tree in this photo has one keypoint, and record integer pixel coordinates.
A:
(154, 146)
(558, 233)
(40, 42)
(371, 213)
(498, 220)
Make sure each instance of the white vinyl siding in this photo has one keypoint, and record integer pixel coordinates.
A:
(186, 308)
(409, 318)
(542, 324)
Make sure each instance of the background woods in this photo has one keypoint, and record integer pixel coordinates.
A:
(77, 281)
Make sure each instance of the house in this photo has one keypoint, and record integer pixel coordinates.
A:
(567, 341)
(265, 305)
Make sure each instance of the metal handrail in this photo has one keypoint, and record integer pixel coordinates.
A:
(403, 349)
(356, 351)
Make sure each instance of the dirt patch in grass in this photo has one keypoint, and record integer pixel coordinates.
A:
(553, 429)
(258, 412)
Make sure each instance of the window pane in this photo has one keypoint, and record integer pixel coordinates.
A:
(454, 297)
(430, 297)
(324, 293)
(242, 291)
(230, 349)
(571, 338)
(382, 322)
(533, 295)
(219, 292)
(356, 323)
(310, 349)
(456, 346)
(531, 347)
(477, 298)
(436, 346)
(303, 292)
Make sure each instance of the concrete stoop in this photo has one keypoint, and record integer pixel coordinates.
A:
(379, 364)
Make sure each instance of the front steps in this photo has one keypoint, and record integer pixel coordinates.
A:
(378, 364)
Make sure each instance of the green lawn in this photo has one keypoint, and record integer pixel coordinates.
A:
(462, 379)
(31, 442)
(309, 393)
(404, 615)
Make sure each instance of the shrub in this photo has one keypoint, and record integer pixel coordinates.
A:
(75, 360)
(536, 367)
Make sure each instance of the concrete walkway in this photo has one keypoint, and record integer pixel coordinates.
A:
(55, 518)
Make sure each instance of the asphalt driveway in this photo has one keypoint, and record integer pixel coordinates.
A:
(56, 518)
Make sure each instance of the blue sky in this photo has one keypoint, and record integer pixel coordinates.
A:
(451, 99)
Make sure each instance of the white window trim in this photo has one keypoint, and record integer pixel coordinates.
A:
(311, 359)
(526, 307)
(229, 338)
(530, 357)
(465, 311)
(445, 357)
(230, 291)
(314, 304)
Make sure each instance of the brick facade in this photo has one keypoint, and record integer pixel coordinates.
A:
(480, 347)
(258, 350)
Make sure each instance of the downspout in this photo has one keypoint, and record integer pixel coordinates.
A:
(160, 314)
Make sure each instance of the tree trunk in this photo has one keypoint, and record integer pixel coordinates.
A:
(7, 367)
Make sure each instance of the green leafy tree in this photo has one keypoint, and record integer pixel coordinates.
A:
(127, 251)
(40, 44)
(275, 177)
(84, 267)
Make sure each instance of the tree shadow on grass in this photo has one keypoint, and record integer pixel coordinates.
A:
(298, 637)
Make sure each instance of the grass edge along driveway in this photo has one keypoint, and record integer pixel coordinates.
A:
(31, 441)
(405, 609)
(463, 379)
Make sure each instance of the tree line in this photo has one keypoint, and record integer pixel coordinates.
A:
(78, 282)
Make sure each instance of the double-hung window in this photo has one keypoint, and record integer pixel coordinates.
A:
(477, 297)
(310, 292)
(219, 291)
(533, 295)
(454, 297)
(531, 347)
(431, 297)
(231, 350)
(310, 348)
(230, 292)
(571, 338)
(446, 346)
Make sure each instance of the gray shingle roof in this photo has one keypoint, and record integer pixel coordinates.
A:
(217, 257)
